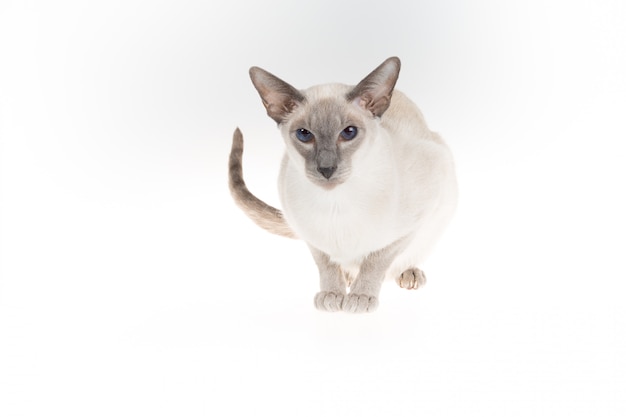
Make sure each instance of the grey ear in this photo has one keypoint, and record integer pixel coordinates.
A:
(279, 98)
(374, 91)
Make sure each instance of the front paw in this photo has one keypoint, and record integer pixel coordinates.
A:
(328, 301)
(359, 303)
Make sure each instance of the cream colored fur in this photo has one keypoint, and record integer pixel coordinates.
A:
(393, 193)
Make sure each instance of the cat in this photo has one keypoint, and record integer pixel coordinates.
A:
(363, 182)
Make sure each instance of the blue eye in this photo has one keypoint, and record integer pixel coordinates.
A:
(304, 135)
(349, 133)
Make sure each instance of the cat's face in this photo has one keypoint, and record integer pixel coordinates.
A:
(324, 126)
(323, 133)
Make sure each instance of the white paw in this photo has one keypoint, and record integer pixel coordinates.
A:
(411, 279)
(359, 303)
(328, 301)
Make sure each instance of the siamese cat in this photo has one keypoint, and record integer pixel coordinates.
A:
(363, 182)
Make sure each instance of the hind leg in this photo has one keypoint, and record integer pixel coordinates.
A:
(411, 279)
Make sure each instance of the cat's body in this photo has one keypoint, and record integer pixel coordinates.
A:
(363, 181)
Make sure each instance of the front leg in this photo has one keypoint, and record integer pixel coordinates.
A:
(363, 297)
(332, 283)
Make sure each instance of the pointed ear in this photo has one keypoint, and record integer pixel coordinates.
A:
(373, 93)
(279, 98)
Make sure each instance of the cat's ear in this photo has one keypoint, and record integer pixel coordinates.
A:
(373, 93)
(279, 98)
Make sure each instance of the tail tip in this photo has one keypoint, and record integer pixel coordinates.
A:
(237, 137)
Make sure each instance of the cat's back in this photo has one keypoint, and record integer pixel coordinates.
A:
(421, 156)
(403, 118)
(410, 136)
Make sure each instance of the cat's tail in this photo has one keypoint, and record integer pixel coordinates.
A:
(264, 215)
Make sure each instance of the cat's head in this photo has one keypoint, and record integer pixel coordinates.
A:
(324, 126)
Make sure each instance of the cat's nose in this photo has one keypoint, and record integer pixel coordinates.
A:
(327, 172)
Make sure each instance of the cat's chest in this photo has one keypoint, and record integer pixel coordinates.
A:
(347, 223)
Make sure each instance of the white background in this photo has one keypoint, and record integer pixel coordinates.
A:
(130, 284)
